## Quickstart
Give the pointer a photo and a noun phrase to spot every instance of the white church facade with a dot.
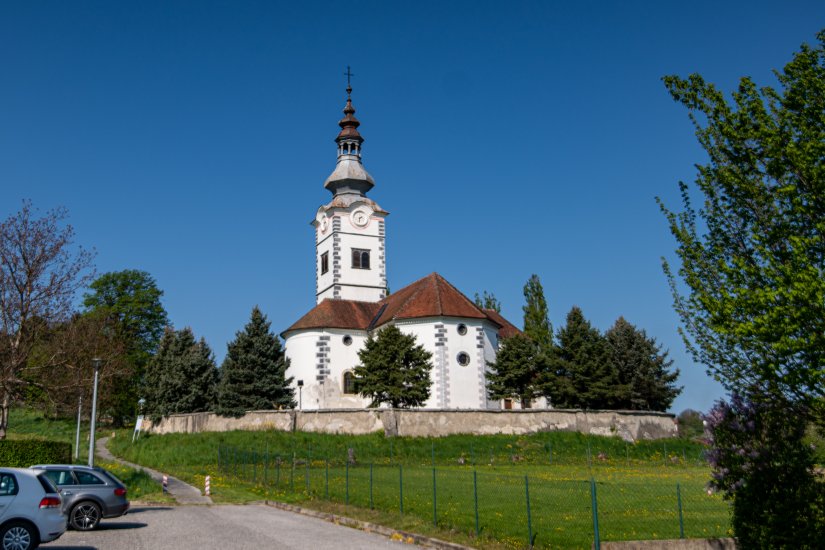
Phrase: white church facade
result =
(352, 302)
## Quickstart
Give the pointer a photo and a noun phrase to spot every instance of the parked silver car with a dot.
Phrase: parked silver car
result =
(30, 509)
(89, 494)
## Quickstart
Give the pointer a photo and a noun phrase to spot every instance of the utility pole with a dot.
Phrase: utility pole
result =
(96, 362)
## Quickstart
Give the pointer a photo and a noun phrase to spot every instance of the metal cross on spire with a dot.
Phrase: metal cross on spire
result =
(349, 75)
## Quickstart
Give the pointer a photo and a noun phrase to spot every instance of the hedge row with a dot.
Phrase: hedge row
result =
(23, 453)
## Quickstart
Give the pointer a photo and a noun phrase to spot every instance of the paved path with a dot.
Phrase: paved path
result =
(239, 527)
(182, 492)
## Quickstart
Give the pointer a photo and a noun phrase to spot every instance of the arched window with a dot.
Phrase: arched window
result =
(360, 258)
(350, 383)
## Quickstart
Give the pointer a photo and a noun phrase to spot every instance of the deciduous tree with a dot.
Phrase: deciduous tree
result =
(487, 301)
(394, 369)
(536, 320)
(40, 272)
(131, 300)
(253, 374)
(752, 258)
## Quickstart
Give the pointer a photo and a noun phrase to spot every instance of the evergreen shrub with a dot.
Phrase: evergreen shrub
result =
(22, 453)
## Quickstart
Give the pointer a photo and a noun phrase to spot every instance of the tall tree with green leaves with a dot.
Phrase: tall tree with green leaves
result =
(536, 320)
(752, 257)
(253, 374)
(130, 299)
(394, 369)
(583, 375)
(517, 371)
(181, 377)
(645, 379)
(487, 300)
(751, 289)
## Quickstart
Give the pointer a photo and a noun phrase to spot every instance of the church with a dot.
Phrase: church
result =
(352, 302)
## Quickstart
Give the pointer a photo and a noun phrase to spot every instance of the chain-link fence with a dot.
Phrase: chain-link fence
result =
(519, 510)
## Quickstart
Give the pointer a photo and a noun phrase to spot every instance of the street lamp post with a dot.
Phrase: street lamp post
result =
(300, 387)
(77, 433)
(96, 362)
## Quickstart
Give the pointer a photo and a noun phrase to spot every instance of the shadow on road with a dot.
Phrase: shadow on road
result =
(142, 509)
(115, 525)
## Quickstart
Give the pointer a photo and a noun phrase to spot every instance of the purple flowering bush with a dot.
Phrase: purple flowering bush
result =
(761, 463)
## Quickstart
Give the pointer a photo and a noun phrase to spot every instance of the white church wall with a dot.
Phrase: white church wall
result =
(307, 350)
(491, 341)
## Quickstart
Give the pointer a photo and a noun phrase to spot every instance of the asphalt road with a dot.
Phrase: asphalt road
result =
(233, 527)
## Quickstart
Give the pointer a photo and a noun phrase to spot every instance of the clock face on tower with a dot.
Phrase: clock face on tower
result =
(360, 217)
(324, 224)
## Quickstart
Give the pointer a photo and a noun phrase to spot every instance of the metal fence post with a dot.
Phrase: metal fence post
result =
(266, 466)
(475, 498)
(401, 488)
(681, 518)
(292, 474)
(347, 478)
(432, 451)
(595, 510)
(306, 477)
(529, 516)
(219, 458)
(235, 462)
(278, 472)
(391, 452)
(326, 482)
(254, 466)
(371, 503)
(435, 516)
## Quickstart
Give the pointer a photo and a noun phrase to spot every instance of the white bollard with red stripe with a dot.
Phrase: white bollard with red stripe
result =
(207, 491)
(165, 483)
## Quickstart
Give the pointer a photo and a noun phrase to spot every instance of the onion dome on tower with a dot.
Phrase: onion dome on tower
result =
(349, 176)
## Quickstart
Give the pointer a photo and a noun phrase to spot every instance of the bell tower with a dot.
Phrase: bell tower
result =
(350, 252)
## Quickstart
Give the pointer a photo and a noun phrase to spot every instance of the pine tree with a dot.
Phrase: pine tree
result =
(516, 372)
(487, 300)
(394, 369)
(181, 377)
(643, 369)
(536, 321)
(253, 374)
(583, 375)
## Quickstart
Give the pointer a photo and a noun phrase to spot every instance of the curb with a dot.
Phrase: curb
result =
(394, 534)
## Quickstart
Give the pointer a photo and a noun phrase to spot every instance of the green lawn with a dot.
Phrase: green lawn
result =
(636, 485)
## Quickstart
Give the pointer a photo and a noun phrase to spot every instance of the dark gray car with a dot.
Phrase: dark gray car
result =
(89, 494)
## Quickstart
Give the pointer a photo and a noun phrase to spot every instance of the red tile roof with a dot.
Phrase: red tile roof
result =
(507, 329)
(338, 314)
(431, 296)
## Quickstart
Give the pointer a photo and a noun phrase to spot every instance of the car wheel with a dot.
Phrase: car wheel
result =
(18, 536)
(84, 516)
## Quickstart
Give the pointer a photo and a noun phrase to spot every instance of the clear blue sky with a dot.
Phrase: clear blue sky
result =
(192, 139)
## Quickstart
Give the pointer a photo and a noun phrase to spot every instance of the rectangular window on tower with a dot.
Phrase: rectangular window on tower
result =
(324, 262)
(360, 258)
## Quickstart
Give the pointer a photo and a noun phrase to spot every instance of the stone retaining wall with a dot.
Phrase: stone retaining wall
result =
(629, 425)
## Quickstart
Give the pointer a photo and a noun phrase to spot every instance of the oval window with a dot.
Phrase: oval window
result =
(462, 329)
(347, 340)
(463, 359)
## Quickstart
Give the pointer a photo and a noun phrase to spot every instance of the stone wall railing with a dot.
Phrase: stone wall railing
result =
(629, 425)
